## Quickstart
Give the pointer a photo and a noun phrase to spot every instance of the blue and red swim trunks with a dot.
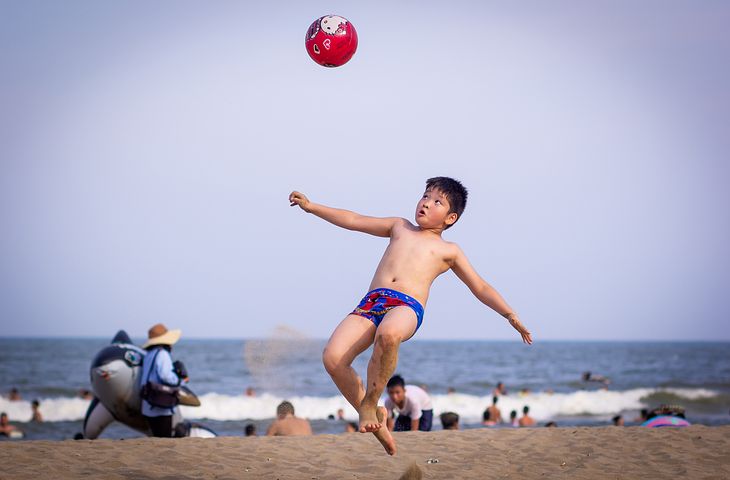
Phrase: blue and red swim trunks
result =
(380, 301)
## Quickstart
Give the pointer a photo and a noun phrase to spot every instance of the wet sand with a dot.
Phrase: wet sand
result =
(592, 453)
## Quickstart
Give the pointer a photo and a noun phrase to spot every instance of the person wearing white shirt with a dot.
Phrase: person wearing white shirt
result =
(409, 407)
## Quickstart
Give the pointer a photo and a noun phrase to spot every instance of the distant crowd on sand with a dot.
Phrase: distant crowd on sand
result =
(409, 407)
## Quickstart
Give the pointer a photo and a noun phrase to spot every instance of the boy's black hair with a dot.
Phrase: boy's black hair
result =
(454, 191)
(449, 420)
(513, 414)
(525, 409)
(494, 400)
(250, 430)
(396, 381)
(284, 408)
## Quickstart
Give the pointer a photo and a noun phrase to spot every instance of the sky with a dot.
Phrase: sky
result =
(147, 150)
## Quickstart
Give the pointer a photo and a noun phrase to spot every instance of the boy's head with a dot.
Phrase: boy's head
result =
(442, 203)
(397, 389)
(450, 421)
(285, 408)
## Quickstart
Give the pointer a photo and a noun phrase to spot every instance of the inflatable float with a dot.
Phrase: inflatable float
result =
(666, 416)
(115, 373)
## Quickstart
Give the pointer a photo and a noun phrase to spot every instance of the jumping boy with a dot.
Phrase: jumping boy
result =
(392, 311)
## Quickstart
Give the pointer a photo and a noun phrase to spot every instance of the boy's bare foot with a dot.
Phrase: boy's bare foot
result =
(383, 434)
(369, 419)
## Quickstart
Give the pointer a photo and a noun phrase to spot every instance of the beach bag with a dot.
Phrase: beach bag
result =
(159, 394)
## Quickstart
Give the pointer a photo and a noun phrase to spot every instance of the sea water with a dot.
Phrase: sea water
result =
(545, 376)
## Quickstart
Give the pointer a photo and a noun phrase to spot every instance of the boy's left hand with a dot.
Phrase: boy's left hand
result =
(517, 325)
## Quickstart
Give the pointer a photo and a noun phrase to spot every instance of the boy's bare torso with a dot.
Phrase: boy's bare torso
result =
(412, 261)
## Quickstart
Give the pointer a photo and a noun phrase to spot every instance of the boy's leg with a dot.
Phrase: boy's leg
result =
(351, 337)
(398, 325)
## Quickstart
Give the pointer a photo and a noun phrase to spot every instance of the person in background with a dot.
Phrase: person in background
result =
(450, 390)
(85, 394)
(524, 392)
(340, 414)
(351, 427)
(513, 418)
(618, 421)
(590, 377)
(250, 392)
(250, 430)
(5, 427)
(158, 367)
(287, 423)
(487, 419)
(643, 416)
(499, 390)
(495, 415)
(14, 395)
(37, 417)
(551, 424)
(412, 405)
(450, 421)
(526, 420)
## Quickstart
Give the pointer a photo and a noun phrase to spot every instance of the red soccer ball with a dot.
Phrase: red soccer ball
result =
(331, 41)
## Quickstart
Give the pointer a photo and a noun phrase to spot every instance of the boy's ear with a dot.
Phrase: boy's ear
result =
(451, 218)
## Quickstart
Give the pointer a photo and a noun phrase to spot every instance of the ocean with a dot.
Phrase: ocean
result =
(545, 376)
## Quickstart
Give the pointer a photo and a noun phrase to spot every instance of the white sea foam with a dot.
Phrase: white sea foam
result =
(543, 406)
(57, 409)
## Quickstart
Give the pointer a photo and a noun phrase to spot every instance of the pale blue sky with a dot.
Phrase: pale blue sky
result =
(147, 151)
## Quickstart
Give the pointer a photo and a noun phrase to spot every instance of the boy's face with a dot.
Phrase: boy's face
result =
(397, 394)
(432, 210)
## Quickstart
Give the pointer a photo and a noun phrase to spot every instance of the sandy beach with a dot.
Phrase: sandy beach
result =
(595, 453)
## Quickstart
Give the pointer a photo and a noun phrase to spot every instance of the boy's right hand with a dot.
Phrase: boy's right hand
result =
(296, 198)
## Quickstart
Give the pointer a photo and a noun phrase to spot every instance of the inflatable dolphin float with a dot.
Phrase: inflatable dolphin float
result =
(115, 373)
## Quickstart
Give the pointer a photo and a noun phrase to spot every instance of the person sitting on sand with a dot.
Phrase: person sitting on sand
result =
(392, 311)
(14, 395)
(287, 423)
(526, 420)
(411, 404)
(513, 418)
(5, 427)
(37, 417)
(618, 421)
(495, 415)
(450, 421)
(592, 377)
(499, 390)
(250, 430)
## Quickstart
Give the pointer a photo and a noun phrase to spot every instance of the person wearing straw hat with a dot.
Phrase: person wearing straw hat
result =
(158, 367)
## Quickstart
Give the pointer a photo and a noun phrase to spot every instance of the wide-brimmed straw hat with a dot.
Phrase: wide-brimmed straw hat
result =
(160, 335)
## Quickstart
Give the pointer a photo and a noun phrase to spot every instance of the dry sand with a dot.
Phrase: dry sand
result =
(593, 453)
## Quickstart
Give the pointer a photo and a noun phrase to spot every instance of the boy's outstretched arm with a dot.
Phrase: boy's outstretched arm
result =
(485, 293)
(379, 227)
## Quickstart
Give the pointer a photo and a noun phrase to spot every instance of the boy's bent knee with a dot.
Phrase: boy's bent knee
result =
(388, 339)
(332, 362)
